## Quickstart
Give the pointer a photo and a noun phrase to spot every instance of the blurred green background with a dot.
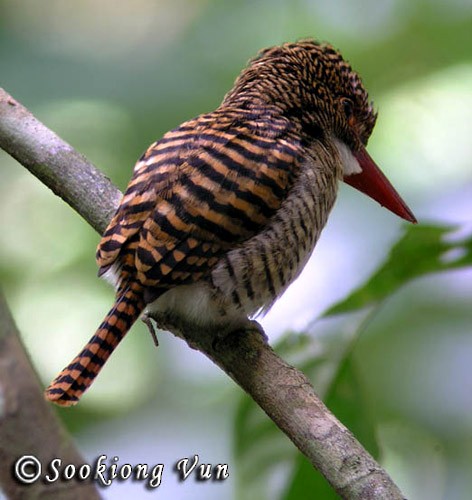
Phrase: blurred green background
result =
(111, 78)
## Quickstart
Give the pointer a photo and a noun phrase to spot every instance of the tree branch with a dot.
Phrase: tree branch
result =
(57, 164)
(283, 392)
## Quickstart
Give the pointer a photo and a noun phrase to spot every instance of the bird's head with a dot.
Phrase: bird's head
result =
(311, 84)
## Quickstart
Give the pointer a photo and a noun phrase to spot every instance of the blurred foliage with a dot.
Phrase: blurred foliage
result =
(112, 79)
(423, 249)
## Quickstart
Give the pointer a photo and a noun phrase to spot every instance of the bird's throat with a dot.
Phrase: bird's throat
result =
(349, 162)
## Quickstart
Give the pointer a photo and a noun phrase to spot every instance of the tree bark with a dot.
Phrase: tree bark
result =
(284, 393)
(29, 428)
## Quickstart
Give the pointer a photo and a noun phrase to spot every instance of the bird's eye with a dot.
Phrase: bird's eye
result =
(348, 108)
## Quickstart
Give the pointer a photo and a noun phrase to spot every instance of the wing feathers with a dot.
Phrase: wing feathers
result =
(198, 192)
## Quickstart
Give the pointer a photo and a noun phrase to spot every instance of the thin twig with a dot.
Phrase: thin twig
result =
(283, 392)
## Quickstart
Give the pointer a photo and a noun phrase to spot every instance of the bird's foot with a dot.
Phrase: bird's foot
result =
(248, 328)
(254, 326)
(146, 319)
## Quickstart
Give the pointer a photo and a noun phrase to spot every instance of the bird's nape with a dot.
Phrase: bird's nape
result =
(372, 182)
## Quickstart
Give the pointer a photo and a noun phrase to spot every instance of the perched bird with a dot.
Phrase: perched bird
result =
(223, 212)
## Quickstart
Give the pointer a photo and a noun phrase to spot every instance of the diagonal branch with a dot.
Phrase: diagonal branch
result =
(56, 164)
(282, 391)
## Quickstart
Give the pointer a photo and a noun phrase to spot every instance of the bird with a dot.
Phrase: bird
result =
(222, 213)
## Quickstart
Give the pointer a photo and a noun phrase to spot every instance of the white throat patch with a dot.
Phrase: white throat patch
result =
(350, 164)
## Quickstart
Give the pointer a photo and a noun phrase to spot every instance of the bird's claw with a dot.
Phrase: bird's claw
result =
(148, 322)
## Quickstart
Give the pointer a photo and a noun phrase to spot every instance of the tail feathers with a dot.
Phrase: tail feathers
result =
(67, 388)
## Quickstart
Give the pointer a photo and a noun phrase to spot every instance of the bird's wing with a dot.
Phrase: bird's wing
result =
(201, 190)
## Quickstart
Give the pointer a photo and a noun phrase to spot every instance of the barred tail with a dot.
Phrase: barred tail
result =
(67, 388)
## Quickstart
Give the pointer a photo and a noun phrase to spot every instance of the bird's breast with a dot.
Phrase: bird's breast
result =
(251, 277)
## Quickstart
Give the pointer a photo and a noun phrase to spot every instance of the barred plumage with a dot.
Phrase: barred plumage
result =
(223, 212)
(69, 385)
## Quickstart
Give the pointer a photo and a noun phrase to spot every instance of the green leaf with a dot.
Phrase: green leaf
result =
(348, 400)
(261, 450)
(307, 482)
(423, 249)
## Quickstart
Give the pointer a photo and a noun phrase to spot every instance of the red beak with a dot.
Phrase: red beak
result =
(372, 182)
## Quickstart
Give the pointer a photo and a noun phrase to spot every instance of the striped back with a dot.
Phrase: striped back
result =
(202, 190)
